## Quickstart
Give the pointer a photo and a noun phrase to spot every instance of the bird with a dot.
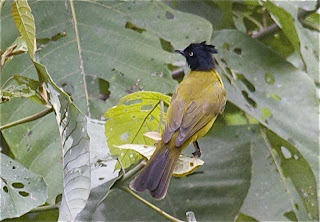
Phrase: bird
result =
(194, 107)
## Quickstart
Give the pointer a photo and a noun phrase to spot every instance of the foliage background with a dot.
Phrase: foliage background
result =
(262, 155)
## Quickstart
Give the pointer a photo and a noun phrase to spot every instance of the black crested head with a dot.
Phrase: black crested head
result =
(199, 56)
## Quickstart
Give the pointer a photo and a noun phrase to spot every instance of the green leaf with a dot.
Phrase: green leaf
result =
(135, 115)
(243, 217)
(120, 58)
(313, 20)
(214, 192)
(286, 22)
(24, 20)
(75, 144)
(15, 91)
(102, 170)
(22, 87)
(117, 58)
(305, 41)
(282, 177)
(21, 190)
(19, 46)
(297, 170)
(260, 82)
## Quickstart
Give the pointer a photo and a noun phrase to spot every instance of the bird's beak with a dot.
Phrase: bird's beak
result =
(179, 51)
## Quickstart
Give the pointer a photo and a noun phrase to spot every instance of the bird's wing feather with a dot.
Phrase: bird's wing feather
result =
(193, 121)
(189, 117)
(175, 112)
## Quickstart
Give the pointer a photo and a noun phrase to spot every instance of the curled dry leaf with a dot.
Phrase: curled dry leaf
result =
(153, 135)
(185, 165)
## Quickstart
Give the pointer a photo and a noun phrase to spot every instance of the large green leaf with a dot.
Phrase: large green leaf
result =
(214, 192)
(277, 94)
(103, 174)
(304, 40)
(75, 149)
(120, 49)
(135, 115)
(21, 190)
(282, 177)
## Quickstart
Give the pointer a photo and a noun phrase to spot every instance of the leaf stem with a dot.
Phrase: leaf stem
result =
(168, 216)
(28, 119)
(128, 175)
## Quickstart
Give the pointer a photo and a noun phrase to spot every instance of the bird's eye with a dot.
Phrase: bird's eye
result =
(190, 53)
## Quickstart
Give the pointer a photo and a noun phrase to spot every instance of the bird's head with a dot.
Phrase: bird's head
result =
(198, 56)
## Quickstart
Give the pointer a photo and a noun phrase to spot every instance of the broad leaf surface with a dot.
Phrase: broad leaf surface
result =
(21, 190)
(135, 115)
(272, 90)
(102, 170)
(280, 183)
(75, 148)
(122, 51)
(304, 40)
(214, 192)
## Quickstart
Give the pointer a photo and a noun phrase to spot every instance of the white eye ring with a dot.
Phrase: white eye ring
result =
(190, 53)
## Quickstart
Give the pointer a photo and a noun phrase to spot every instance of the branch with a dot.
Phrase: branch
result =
(28, 119)
(266, 31)
(168, 216)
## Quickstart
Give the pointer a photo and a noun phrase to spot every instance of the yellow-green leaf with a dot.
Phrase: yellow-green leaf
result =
(134, 115)
(24, 20)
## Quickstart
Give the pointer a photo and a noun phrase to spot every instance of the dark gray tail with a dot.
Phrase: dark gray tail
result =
(156, 175)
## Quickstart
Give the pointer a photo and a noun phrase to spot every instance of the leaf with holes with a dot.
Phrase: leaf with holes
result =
(135, 115)
(127, 52)
(214, 192)
(24, 20)
(102, 170)
(22, 87)
(264, 85)
(304, 40)
(76, 149)
(283, 177)
(15, 91)
(21, 190)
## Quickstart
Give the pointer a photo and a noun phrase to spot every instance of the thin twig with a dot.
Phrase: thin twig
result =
(128, 175)
(27, 119)
(155, 208)
(266, 31)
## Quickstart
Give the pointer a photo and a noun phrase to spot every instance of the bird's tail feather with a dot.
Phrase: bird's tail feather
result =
(156, 175)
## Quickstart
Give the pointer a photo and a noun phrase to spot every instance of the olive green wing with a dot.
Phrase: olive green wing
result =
(174, 117)
(190, 117)
(196, 118)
